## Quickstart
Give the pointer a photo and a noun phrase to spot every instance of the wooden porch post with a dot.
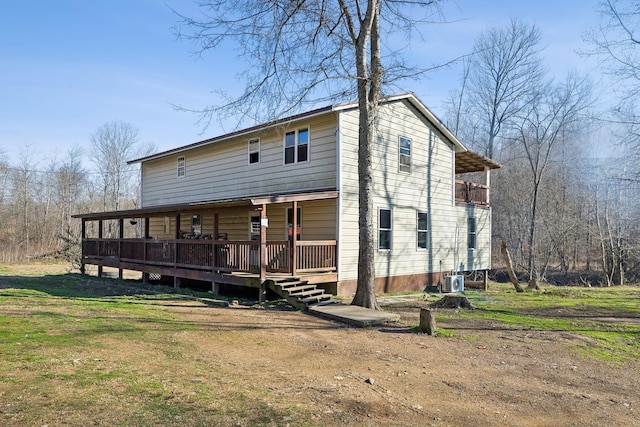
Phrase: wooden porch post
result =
(145, 275)
(263, 253)
(83, 236)
(120, 237)
(215, 287)
(176, 280)
(294, 237)
(487, 181)
(99, 246)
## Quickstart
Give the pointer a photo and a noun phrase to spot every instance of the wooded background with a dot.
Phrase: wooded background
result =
(566, 201)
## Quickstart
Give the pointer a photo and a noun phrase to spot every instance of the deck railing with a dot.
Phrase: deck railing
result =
(218, 255)
(470, 192)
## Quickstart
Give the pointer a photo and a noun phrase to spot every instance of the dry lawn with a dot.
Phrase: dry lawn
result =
(169, 361)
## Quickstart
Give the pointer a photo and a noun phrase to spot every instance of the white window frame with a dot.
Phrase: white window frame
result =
(297, 145)
(181, 167)
(472, 233)
(402, 167)
(253, 140)
(419, 230)
(388, 230)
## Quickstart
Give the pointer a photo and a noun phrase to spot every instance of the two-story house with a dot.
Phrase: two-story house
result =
(279, 201)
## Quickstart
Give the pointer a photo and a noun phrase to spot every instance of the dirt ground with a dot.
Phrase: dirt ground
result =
(486, 375)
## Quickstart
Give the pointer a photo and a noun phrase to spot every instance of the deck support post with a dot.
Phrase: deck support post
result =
(145, 277)
(176, 282)
(215, 288)
(100, 224)
(485, 280)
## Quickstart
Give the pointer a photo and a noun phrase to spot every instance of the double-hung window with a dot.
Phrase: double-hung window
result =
(296, 146)
(181, 167)
(423, 230)
(254, 150)
(384, 230)
(471, 233)
(404, 149)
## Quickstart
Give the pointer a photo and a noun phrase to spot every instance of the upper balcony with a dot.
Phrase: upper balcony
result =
(472, 193)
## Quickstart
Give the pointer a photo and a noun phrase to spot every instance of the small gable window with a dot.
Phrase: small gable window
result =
(254, 150)
(404, 148)
(181, 168)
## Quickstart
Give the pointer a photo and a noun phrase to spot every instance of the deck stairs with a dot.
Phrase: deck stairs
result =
(300, 294)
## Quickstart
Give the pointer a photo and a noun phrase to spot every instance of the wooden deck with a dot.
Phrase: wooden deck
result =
(217, 261)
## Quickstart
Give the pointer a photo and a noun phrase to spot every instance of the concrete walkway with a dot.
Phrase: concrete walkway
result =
(353, 314)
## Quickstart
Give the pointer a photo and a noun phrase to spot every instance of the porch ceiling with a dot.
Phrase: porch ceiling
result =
(208, 205)
(469, 161)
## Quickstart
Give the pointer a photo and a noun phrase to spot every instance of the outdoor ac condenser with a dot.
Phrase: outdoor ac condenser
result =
(454, 283)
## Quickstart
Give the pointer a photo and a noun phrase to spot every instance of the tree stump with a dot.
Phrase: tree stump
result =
(428, 321)
(454, 301)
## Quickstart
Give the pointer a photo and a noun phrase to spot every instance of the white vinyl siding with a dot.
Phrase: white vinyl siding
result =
(429, 188)
(221, 170)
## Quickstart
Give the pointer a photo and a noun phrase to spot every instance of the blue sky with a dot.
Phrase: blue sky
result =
(69, 66)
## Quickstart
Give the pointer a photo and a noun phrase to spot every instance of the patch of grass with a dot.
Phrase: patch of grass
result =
(600, 314)
(76, 348)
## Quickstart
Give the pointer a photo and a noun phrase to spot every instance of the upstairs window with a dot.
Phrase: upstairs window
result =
(404, 149)
(471, 233)
(181, 169)
(296, 146)
(423, 230)
(254, 150)
(384, 230)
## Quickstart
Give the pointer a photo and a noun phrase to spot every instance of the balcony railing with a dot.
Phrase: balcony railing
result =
(216, 255)
(472, 193)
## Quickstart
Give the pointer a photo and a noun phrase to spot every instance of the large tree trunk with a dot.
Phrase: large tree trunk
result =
(509, 263)
(369, 84)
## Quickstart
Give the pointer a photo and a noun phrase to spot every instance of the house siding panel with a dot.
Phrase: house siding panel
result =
(428, 188)
(221, 170)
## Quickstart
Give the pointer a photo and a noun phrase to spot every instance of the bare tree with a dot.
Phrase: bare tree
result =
(303, 52)
(502, 75)
(540, 130)
(111, 146)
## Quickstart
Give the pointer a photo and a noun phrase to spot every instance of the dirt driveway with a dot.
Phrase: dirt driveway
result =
(486, 375)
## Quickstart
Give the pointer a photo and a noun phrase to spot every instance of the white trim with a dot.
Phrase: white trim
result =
(339, 202)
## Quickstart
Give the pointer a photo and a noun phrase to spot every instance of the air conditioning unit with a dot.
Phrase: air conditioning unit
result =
(454, 283)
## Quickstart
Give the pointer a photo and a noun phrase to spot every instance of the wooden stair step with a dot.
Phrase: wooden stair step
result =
(301, 288)
(316, 299)
(291, 284)
(309, 293)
